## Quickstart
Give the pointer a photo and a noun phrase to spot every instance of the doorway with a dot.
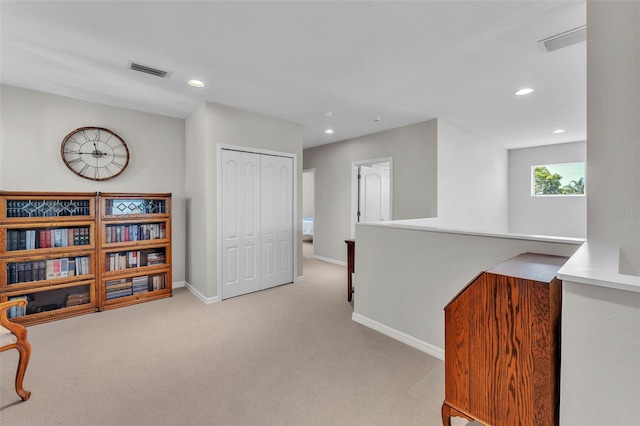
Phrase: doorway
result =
(372, 191)
(308, 208)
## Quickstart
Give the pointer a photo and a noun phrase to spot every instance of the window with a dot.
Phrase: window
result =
(557, 179)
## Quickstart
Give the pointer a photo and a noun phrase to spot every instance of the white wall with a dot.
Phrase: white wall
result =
(308, 185)
(613, 126)
(600, 334)
(414, 152)
(561, 216)
(196, 198)
(33, 124)
(472, 181)
(214, 124)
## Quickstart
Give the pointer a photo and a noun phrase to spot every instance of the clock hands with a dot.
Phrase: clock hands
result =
(96, 139)
(96, 153)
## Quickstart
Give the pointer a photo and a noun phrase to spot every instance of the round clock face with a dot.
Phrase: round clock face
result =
(95, 153)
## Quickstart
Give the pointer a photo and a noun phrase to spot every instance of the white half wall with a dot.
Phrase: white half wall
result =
(472, 181)
(564, 216)
(405, 274)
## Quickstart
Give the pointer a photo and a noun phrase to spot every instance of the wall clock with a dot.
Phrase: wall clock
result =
(95, 153)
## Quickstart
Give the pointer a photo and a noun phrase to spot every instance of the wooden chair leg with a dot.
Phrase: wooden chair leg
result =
(25, 353)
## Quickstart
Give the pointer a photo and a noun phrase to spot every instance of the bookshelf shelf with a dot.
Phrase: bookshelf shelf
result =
(134, 248)
(47, 254)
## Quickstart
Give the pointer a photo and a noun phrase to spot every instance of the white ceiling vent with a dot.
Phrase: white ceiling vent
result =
(564, 39)
(148, 70)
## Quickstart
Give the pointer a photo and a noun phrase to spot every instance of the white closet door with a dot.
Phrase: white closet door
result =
(277, 221)
(241, 223)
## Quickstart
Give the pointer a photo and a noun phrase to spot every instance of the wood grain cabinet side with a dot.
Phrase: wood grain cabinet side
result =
(502, 345)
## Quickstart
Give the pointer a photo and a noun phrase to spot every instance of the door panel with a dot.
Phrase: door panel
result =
(374, 193)
(277, 220)
(372, 196)
(251, 223)
(241, 222)
(230, 208)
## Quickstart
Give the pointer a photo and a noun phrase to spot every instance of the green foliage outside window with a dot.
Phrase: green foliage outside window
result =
(548, 183)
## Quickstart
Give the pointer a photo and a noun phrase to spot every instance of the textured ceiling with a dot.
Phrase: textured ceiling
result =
(403, 61)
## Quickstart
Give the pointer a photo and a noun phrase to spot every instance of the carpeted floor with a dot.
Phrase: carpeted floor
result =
(285, 356)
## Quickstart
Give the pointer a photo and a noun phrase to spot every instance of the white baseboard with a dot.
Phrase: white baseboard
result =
(177, 284)
(326, 259)
(400, 336)
(299, 279)
(202, 297)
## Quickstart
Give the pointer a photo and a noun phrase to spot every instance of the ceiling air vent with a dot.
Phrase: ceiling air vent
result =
(564, 39)
(148, 70)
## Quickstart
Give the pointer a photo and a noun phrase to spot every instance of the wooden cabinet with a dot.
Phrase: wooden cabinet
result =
(351, 261)
(134, 248)
(47, 254)
(502, 345)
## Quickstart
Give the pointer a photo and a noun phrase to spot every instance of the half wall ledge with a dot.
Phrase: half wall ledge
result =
(598, 264)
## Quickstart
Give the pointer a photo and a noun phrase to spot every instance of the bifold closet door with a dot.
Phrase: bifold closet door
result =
(241, 223)
(276, 220)
(257, 222)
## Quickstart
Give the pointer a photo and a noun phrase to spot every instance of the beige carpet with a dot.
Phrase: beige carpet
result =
(286, 356)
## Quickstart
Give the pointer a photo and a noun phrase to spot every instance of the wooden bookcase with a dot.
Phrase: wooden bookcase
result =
(47, 254)
(502, 345)
(134, 248)
(72, 253)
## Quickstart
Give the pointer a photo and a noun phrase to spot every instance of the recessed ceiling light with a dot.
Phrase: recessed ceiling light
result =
(558, 131)
(329, 131)
(327, 114)
(377, 119)
(196, 83)
(524, 91)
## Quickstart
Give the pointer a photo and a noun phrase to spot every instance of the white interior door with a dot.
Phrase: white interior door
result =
(374, 193)
(241, 222)
(276, 220)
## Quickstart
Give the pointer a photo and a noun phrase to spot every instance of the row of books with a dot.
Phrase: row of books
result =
(17, 311)
(136, 232)
(157, 282)
(37, 270)
(75, 299)
(133, 259)
(137, 285)
(140, 285)
(47, 208)
(155, 258)
(31, 239)
(34, 307)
